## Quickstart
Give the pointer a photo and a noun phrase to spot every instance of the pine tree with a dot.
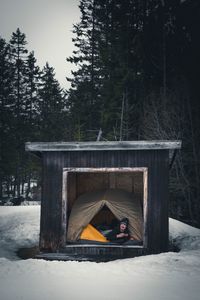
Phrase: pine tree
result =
(6, 116)
(83, 97)
(51, 107)
(30, 130)
(107, 66)
(19, 58)
(32, 80)
(121, 63)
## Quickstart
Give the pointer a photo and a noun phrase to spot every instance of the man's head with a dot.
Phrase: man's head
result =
(123, 224)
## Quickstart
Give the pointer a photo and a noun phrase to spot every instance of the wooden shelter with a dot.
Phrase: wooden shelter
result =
(71, 169)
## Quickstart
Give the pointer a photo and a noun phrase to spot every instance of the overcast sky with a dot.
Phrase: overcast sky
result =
(48, 28)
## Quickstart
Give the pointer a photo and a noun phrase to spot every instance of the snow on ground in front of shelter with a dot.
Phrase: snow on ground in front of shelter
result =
(166, 276)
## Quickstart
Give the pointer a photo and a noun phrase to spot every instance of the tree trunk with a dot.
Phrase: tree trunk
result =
(28, 186)
(17, 183)
(122, 119)
(1, 188)
(22, 187)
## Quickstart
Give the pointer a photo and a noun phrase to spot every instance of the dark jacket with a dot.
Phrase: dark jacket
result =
(112, 236)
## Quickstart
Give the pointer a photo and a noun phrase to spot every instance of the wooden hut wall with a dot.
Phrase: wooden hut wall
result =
(53, 210)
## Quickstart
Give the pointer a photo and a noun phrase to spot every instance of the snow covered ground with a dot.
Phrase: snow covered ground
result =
(167, 276)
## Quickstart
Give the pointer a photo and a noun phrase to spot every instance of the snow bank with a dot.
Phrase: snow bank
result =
(173, 276)
(19, 227)
(184, 236)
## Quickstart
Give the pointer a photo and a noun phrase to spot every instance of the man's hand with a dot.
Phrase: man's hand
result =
(122, 234)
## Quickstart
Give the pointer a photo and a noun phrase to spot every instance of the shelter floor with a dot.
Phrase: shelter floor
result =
(82, 242)
(94, 252)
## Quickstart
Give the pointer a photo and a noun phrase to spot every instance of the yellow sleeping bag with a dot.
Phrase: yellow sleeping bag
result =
(92, 234)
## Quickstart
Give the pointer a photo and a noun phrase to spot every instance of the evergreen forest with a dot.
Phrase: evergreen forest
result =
(136, 76)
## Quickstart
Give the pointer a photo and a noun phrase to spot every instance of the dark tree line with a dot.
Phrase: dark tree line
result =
(137, 77)
(32, 108)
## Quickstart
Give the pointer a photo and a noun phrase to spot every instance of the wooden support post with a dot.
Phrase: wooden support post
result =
(53, 206)
(157, 207)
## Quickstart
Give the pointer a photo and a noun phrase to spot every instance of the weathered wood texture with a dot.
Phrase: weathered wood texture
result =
(53, 206)
(53, 210)
(97, 254)
(105, 146)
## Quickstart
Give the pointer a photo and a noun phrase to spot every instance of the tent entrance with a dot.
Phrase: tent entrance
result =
(104, 219)
(92, 182)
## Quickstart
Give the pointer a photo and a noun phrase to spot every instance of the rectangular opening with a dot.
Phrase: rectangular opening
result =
(79, 181)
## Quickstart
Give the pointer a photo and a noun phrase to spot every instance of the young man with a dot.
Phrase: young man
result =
(119, 234)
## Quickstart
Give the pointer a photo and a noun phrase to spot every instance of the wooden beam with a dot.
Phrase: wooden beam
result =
(107, 146)
(105, 170)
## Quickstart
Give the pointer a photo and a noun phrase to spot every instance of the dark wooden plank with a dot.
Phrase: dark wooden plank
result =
(157, 219)
(97, 254)
(53, 206)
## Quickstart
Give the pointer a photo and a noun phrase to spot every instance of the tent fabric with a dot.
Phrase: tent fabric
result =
(121, 203)
(92, 234)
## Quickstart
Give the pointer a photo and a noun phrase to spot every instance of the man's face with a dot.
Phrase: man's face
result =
(122, 227)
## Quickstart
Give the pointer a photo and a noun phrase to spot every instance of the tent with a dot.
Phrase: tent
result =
(120, 202)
